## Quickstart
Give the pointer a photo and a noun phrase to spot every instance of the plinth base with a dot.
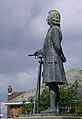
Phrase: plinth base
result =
(49, 116)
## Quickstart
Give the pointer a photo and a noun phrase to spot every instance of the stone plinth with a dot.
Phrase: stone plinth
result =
(51, 117)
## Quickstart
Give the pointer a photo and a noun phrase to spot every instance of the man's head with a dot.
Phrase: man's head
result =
(53, 17)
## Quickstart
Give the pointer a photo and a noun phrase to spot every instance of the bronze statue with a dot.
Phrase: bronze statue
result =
(53, 59)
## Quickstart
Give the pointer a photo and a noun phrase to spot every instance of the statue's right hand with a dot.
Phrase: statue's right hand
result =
(36, 53)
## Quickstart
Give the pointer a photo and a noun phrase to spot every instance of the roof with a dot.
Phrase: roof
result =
(19, 97)
(14, 95)
(23, 97)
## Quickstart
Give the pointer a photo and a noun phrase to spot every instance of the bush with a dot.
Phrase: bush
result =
(44, 99)
(27, 108)
(69, 99)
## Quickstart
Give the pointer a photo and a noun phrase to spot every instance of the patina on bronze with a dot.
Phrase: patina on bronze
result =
(53, 59)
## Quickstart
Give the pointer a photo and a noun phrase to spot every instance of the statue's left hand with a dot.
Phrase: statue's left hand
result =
(63, 58)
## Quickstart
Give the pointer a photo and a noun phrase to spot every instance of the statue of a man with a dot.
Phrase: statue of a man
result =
(53, 59)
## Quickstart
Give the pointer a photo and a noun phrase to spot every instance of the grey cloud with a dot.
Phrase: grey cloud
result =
(23, 27)
(16, 60)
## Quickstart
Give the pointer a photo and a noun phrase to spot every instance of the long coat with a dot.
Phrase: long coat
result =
(53, 70)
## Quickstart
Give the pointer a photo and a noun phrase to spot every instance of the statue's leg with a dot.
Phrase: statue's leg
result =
(56, 90)
(54, 98)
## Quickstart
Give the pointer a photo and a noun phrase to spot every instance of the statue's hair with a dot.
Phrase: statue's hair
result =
(55, 16)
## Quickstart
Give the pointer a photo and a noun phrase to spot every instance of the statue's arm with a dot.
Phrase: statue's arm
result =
(55, 37)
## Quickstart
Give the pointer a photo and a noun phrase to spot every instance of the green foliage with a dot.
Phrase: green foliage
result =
(44, 100)
(69, 99)
(68, 104)
(44, 103)
(78, 108)
(27, 108)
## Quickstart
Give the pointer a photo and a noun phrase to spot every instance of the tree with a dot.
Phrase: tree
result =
(69, 99)
(44, 99)
(27, 108)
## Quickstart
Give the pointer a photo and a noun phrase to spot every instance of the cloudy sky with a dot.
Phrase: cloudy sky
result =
(22, 31)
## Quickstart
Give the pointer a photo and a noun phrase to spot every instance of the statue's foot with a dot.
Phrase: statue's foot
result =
(50, 110)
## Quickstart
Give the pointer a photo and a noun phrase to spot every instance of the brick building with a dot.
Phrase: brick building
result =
(15, 101)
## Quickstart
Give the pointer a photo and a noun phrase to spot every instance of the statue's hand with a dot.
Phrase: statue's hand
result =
(36, 53)
(63, 58)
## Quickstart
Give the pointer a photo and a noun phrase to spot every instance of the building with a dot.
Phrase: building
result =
(15, 101)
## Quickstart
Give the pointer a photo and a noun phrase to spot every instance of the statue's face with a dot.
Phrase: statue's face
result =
(48, 19)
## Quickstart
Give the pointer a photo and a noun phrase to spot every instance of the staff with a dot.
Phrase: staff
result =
(37, 95)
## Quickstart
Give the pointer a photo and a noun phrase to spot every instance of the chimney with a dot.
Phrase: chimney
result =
(9, 90)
